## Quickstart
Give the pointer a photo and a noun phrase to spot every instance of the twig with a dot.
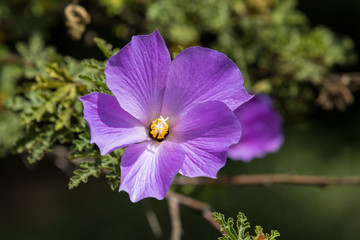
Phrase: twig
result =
(259, 179)
(175, 216)
(12, 59)
(204, 208)
(61, 154)
(152, 219)
(268, 179)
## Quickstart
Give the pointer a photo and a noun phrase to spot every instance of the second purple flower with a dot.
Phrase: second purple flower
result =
(262, 129)
(175, 117)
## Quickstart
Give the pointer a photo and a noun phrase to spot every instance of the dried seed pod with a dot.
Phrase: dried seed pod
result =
(336, 92)
(76, 20)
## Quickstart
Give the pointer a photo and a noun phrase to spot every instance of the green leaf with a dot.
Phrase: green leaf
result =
(105, 48)
(64, 118)
(109, 163)
(101, 90)
(36, 143)
(82, 175)
(273, 235)
(98, 80)
(93, 63)
(82, 142)
(114, 179)
(10, 130)
(112, 163)
(242, 225)
(58, 72)
(36, 56)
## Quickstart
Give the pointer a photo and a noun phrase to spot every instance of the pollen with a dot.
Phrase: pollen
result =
(159, 128)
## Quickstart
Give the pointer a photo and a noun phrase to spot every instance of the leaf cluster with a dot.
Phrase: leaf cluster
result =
(92, 164)
(47, 99)
(50, 112)
(10, 73)
(272, 42)
(240, 232)
(109, 165)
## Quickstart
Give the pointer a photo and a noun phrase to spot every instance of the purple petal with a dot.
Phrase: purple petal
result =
(262, 129)
(206, 132)
(148, 168)
(110, 126)
(137, 76)
(198, 75)
(201, 163)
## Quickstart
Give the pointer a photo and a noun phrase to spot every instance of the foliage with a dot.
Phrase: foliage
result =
(50, 111)
(271, 42)
(106, 48)
(10, 129)
(110, 164)
(48, 101)
(240, 233)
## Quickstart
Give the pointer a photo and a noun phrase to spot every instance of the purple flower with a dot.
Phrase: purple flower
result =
(262, 129)
(175, 117)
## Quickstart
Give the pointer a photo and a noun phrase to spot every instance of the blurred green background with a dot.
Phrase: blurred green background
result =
(35, 202)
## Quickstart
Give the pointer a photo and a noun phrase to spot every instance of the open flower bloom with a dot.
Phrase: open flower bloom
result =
(261, 129)
(173, 116)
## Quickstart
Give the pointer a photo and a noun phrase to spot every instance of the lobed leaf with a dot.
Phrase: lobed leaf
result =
(93, 63)
(242, 224)
(82, 175)
(106, 48)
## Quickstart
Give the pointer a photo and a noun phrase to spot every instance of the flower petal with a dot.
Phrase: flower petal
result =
(262, 129)
(200, 74)
(148, 168)
(110, 126)
(137, 76)
(201, 163)
(206, 132)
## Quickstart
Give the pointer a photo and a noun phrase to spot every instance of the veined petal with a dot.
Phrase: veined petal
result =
(206, 131)
(200, 74)
(148, 168)
(201, 163)
(137, 74)
(110, 126)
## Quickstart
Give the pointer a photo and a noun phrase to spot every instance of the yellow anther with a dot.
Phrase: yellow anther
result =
(159, 128)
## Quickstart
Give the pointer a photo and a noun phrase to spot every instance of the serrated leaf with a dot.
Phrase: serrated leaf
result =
(36, 143)
(36, 56)
(58, 72)
(98, 80)
(111, 162)
(241, 224)
(36, 114)
(81, 142)
(46, 85)
(64, 118)
(105, 48)
(9, 75)
(90, 169)
(17, 103)
(113, 180)
(93, 63)
(273, 235)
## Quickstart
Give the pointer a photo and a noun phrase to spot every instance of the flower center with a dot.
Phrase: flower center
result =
(159, 129)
